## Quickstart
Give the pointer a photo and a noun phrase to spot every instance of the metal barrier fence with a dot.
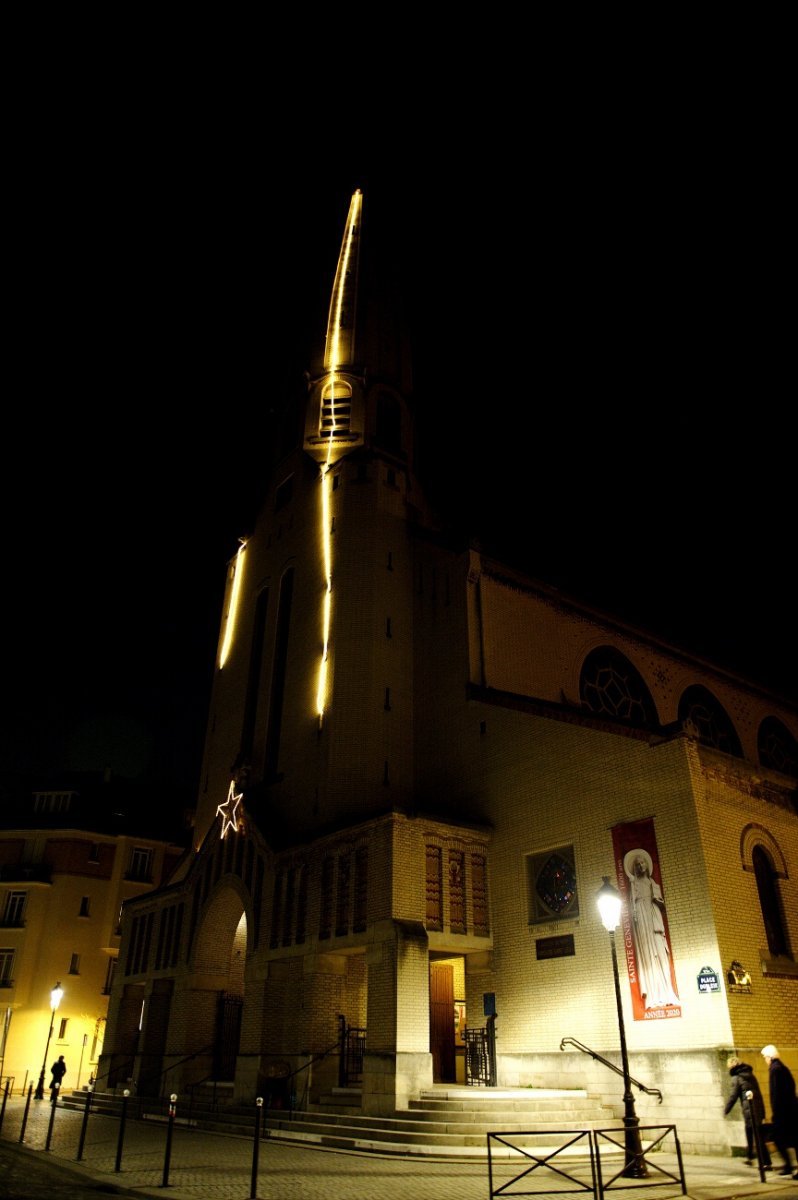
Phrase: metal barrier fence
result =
(579, 1158)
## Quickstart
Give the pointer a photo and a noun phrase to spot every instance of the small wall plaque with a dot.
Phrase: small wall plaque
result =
(555, 947)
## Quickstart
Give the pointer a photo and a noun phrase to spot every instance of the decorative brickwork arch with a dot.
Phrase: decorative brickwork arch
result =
(762, 856)
(754, 835)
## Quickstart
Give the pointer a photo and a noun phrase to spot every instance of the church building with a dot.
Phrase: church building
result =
(420, 765)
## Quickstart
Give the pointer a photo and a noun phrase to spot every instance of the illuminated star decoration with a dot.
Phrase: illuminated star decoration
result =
(228, 814)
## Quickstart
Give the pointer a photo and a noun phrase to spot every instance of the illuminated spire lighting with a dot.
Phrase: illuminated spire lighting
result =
(232, 610)
(339, 350)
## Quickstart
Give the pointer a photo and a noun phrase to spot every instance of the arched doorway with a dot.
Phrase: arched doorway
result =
(220, 958)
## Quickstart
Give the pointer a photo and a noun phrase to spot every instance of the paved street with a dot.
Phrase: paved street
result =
(204, 1166)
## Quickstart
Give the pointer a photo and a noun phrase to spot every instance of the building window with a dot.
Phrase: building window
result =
(279, 668)
(336, 408)
(361, 888)
(342, 906)
(62, 1028)
(54, 802)
(84, 906)
(283, 494)
(326, 906)
(7, 968)
(290, 900)
(140, 865)
(277, 909)
(301, 906)
(705, 718)
(74, 966)
(770, 902)
(109, 977)
(14, 911)
(778, 749)
(551, 885)
(610, 684)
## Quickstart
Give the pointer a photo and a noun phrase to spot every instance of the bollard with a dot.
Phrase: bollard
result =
(169, 1128)
(81, 1143)
(122, 1120)
(5, 1101)
(25, 1114)
(52, 1115)
(253, 1189)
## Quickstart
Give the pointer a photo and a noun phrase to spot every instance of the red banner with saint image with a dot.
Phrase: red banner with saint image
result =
(644, 922)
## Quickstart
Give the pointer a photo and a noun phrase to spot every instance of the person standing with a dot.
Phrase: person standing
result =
(783, 1107)
(57, 1071)
(745, 1088)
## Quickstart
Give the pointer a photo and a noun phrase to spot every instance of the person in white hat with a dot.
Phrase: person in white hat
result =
(783, 1107)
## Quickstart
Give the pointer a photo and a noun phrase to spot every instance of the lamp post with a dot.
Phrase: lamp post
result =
(609, 906)
(55, 999)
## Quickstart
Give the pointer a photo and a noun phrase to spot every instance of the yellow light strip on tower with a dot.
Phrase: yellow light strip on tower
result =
(321, 690)
(232, 611)
(333, 358)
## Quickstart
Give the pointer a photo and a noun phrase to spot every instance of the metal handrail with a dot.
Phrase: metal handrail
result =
(641, 1087)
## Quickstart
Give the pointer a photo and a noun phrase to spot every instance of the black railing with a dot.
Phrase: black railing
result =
(352, 1048)
(641, 1087)
(480, 1055)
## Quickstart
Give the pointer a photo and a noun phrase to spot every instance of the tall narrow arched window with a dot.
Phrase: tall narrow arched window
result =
(389, 422)
(770, 902)
(253, 681)
(276, 694)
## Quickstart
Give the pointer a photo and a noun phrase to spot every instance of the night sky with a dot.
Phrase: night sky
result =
(601, 357)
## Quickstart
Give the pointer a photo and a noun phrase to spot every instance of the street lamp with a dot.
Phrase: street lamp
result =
(55, 999)
(609, 906)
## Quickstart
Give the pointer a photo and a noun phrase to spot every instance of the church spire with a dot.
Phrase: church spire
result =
(336, 396)
(340, 343)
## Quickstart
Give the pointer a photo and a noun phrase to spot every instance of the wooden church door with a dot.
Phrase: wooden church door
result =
(441, 1022)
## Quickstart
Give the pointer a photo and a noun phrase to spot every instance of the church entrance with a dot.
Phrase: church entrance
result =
(447, 1019)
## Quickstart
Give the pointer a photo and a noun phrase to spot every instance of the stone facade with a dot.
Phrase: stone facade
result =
(401, 731)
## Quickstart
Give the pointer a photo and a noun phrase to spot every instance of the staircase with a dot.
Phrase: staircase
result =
(446, 1121)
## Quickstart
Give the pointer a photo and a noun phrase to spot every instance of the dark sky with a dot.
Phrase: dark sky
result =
(603, 358)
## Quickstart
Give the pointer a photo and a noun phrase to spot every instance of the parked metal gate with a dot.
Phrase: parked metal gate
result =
(480, 1055)
(352, 1047)
(228, 1032)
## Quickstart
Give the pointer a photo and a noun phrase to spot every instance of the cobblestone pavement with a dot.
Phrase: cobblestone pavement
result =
(206, 1166)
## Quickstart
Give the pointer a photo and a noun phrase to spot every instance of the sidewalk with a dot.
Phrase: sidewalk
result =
(208, 1166)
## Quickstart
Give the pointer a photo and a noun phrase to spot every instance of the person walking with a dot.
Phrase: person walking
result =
(57, 1071)
(783, 1107)
(745, 1088)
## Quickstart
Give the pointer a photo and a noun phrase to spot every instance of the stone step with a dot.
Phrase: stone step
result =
(450, 1124)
